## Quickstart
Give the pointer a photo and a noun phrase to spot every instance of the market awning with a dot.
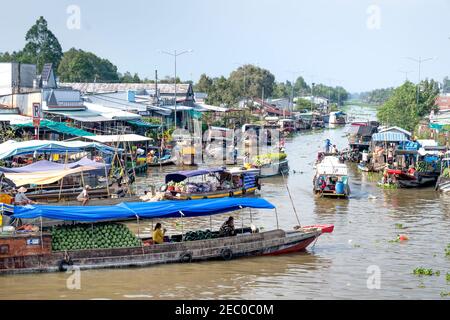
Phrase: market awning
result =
(145, 210)
(44, 177)
(389, 137)
(14, 118)
(182, 175)
(57, 127)
(13, 148)
(118, 138)
(144, 124)
(82, 116)
(45, 165)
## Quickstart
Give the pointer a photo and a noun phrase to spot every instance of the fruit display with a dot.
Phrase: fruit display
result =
(199, 235)
(97, 236)
(268, 158)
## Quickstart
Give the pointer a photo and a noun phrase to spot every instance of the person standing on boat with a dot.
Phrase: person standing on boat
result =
(327, 145)
(21, 199)
(83, 197)
(158, 234)
(227, 229)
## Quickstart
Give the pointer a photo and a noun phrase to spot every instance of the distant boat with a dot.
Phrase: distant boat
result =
(337, 117)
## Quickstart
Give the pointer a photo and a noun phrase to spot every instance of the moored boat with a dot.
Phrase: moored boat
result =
(232, 182)
(53, 250)
(443, 182)
(331, 178)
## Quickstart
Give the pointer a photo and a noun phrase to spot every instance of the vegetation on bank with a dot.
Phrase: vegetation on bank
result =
(409, 104)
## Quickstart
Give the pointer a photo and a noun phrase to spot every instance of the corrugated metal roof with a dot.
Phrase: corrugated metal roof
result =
(389, 136)
(164, 88)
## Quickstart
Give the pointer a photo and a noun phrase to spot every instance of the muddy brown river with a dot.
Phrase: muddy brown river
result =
(357, 261)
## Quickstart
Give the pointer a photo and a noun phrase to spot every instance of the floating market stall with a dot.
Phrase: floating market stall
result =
(97, 244)
(211, 183)
(331, 178)
(271, 164)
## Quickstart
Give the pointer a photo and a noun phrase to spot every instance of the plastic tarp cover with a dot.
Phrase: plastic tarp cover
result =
(57, 127)
(143, 210)
(182, 175)
(44, 177)
(389, 137)
(45, 165)
(12, 148)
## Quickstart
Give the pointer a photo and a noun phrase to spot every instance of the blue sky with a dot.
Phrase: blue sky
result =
(360, 44)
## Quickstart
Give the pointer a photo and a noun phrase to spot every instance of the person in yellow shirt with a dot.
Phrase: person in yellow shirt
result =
(158, 234)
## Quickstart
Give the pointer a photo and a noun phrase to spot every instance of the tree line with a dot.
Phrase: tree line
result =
(409, 104)
(77, 65)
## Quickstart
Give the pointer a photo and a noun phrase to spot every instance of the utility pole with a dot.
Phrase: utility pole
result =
(175, 55)
(405, 73)
(419, 62)
(312, 97)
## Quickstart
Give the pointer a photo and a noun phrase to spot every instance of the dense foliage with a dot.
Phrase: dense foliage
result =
(402, 109)
(377, 96)
(41, 47)
(82, 66)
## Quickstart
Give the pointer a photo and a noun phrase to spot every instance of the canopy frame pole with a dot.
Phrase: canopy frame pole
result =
(106, 176)
(251, 216)
(133, 164)
(182, 225)
(139, 234)
(210, 222)
(62, 179)
(276, 215)
(241, 212)
(42, 237)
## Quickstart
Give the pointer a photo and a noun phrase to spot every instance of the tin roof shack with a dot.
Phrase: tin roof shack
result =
(17, 78)
(384, 146)
(360, 135)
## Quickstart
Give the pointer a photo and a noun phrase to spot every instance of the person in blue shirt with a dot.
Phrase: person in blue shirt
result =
(327, 145)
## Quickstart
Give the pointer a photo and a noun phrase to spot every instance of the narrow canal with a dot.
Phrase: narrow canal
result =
(337, 267)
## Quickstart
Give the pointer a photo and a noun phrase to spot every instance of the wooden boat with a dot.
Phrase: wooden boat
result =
(443, 182)
(337, 118)
(416, 180)
(33, 252)
(275, 168)
(232, 182)
(331, 178)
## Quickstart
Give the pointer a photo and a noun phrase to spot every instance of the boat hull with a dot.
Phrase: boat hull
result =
(214, 195)
(274, 169)
(243, 245)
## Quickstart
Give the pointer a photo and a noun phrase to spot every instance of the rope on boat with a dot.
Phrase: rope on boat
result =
(290, 197)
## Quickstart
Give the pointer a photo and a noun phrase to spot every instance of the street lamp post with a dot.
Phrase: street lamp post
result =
(419, 62)
(174, 54)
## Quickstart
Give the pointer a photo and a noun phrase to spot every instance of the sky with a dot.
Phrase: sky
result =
(358, 44)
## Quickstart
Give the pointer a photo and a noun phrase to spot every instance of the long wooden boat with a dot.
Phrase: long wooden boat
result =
(34, 252)
(249, 183)
(443, 182)
(416, 180)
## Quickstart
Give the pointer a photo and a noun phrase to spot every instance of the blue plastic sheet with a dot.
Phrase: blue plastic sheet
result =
(143, 210)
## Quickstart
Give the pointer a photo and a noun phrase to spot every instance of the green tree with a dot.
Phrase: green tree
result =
(81, 66)
(204, 84)
(41, 46)
(253, 79)
(402, 109)
(223, 92)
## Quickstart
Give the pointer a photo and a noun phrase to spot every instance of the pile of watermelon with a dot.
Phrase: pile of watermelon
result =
(199, 235)
(96, 236)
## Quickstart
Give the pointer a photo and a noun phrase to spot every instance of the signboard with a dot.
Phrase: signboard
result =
(33, 242)
(36, 122)
(37, 111)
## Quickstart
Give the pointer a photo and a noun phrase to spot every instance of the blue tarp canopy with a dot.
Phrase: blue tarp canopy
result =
(144, 210)
(389, 137)
(14, 148)
(183, 175)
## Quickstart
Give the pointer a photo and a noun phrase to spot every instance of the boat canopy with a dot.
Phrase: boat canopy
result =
(389, 137)
(183, 175)
(45, 165)
(44, 177)
(331, 166)
(118, 138)
(143, 210)
(14, 148)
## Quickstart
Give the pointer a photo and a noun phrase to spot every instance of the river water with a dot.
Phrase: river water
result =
(337, 267)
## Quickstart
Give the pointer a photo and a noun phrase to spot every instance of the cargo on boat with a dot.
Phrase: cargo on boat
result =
(331, 178)
(211, 183)
(93, 244)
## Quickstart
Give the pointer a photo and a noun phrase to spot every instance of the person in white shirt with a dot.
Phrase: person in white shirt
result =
(83, 197)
